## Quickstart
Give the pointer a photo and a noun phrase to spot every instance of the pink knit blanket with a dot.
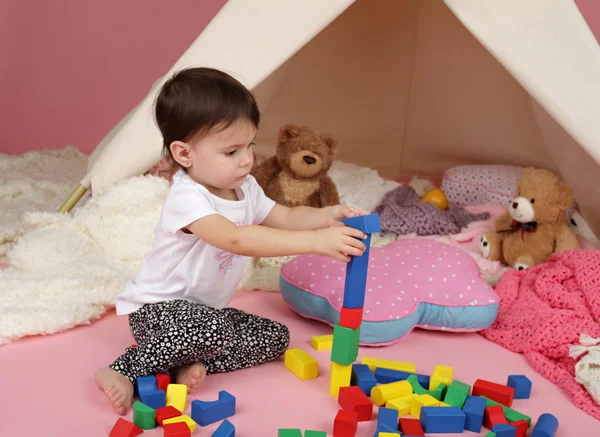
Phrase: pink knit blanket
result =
(544, 309)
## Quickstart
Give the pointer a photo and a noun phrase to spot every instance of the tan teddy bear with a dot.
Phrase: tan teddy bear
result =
(535, 226)
(297, 174)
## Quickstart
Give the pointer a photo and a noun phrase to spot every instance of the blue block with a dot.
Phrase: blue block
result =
(385, 376)
(369, 224)
(225, 429)
(387, 417)
(442, 419)
(356, 280)
(385, 428)
(504, 430)
(154, 399)
(207, 412)
(145, 384)
(474, 409)
(546, 426)
(521, 384)
(363, 378)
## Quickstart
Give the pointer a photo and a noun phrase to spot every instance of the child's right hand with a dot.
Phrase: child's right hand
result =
(340, 242)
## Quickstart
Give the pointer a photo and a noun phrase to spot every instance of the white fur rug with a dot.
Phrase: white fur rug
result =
(66, 270)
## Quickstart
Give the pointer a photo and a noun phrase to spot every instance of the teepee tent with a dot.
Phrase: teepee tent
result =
(408, 86)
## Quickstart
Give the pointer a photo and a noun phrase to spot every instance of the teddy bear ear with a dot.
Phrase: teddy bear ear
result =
(331, 142)
(565, 196)
(288, 131)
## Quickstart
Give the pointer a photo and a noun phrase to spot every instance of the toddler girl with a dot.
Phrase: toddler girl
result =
(215, 216)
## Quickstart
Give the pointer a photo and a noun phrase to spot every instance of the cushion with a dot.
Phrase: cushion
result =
(411, 283)
(477, 184)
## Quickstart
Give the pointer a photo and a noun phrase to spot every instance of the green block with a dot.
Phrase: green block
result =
(438, 393)
(511, 415)
(457, 394)
(490, 434)
(345, 345)
(288, 432)
(144, 416)
(310, 433)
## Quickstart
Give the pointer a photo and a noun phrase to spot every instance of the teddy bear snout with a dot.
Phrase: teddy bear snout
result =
(309, 160)
(522, 210)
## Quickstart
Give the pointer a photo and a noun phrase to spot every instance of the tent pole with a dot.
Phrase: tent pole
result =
(72, 200)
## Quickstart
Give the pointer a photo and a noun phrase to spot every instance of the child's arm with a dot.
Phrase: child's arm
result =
(304, 217)
(261, 241)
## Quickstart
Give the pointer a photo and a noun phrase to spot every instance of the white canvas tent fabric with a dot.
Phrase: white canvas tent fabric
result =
(407, 86)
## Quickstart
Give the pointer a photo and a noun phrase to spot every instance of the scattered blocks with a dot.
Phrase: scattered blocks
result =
(339, 376)
(288, 432)
(154, 399)
(474, 409)
(225, 429)
(546, 426)
(374, 363)
(207, 412)
(162, 381)
(401, 404)
(383, 393)
(301, 364)
(167, 412)
(441, 375)
(351, 317)
(124, 428)
(384, 376)
(352, 398)
(363, 378)
(345, 345)
(494, 415)
(511, 415)
(442, 420)
(144, 416)
(497, 392)
(420, 401)
(521, 384)
(177, 396)
(322, 342)
(185, 419)
(438, 393)
(345, 424)
(411, 427)
(179, 429)
(457, 394)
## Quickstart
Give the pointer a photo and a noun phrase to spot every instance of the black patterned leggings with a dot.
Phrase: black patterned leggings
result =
(174, 333)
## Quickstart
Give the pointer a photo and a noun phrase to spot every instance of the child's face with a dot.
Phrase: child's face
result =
(223, 159)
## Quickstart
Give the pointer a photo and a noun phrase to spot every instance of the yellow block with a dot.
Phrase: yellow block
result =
(177, 396)
(339, 377)
(384, 392)
(387, 434)
(301, 364)
(373, 363)
(322, 342)
(185, 418)
(444, 404)
(441, 374)
(401, 404)
(422, 401)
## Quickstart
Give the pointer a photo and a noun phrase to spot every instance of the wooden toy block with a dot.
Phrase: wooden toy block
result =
(490, 434)
(301, 364)
(521, 384)
(124, 428)
(179, 429)
(351, 317)
(441, 375)
(509, 413)
(356, 279)
(145, 384)
(497, 392)
(339, 376)
(363, 378)
(411, 427)
(546, 426)
(388, 434)
(184, 418)
(369, 224)
(162, 381)
(375, 363)
(225, 429)
(166, 412)
(387, 417)
(144, 416)
(443, 420)
(474, 409)
(494, 416)
(384, 376)
(322, 342)
(420, 401)
(438, 393)
(457, 393)
(503, 430)
(289, 432)
(154, 399)
(352, 398)
(345, 424)
(177, 396)
(521, 427)
(401, 404)
(383, 393)
(311, 433)
(386, 430)
(207, 412)
(345, 345)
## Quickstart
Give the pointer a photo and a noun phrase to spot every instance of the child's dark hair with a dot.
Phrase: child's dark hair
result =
(196, 100)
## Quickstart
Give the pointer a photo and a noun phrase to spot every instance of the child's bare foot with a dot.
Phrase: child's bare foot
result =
(191, 375)
(117, 388)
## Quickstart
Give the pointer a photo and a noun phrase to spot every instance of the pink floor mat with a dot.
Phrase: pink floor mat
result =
(48, 387)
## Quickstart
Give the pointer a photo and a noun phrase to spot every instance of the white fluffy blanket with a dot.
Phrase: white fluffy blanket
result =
(66, 270)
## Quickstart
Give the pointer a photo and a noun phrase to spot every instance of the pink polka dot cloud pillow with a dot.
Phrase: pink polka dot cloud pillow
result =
(410, 283)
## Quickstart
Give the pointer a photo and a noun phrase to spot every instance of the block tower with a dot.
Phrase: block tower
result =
(346, 332)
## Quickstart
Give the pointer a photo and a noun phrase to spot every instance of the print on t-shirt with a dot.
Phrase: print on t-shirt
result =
(227, 257)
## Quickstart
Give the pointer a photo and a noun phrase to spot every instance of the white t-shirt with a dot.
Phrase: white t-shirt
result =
(182, 266)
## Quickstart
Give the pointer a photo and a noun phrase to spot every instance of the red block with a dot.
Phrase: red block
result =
(177, 429)
(162, 381)
(345, 424)
(411, 427)
(351, 317)
(164, 413)
(494, 416)
(521, 426)
(352, 398)
(124, 428)
(496, 392)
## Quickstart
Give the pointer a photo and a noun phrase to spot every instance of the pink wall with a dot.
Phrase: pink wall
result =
(71, 69)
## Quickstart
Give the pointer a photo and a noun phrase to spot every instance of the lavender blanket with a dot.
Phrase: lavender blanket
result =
(401, 211)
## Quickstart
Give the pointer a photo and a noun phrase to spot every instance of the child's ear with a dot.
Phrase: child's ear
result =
(181, 153)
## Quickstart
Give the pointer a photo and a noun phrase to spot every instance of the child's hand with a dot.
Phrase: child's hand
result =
(339, 242)
(341, 212)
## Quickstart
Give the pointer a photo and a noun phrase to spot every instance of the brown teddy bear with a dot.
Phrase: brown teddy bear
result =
(297, 174)
(535, 226)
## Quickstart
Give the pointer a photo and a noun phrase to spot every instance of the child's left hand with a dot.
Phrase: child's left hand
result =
(341, 212)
